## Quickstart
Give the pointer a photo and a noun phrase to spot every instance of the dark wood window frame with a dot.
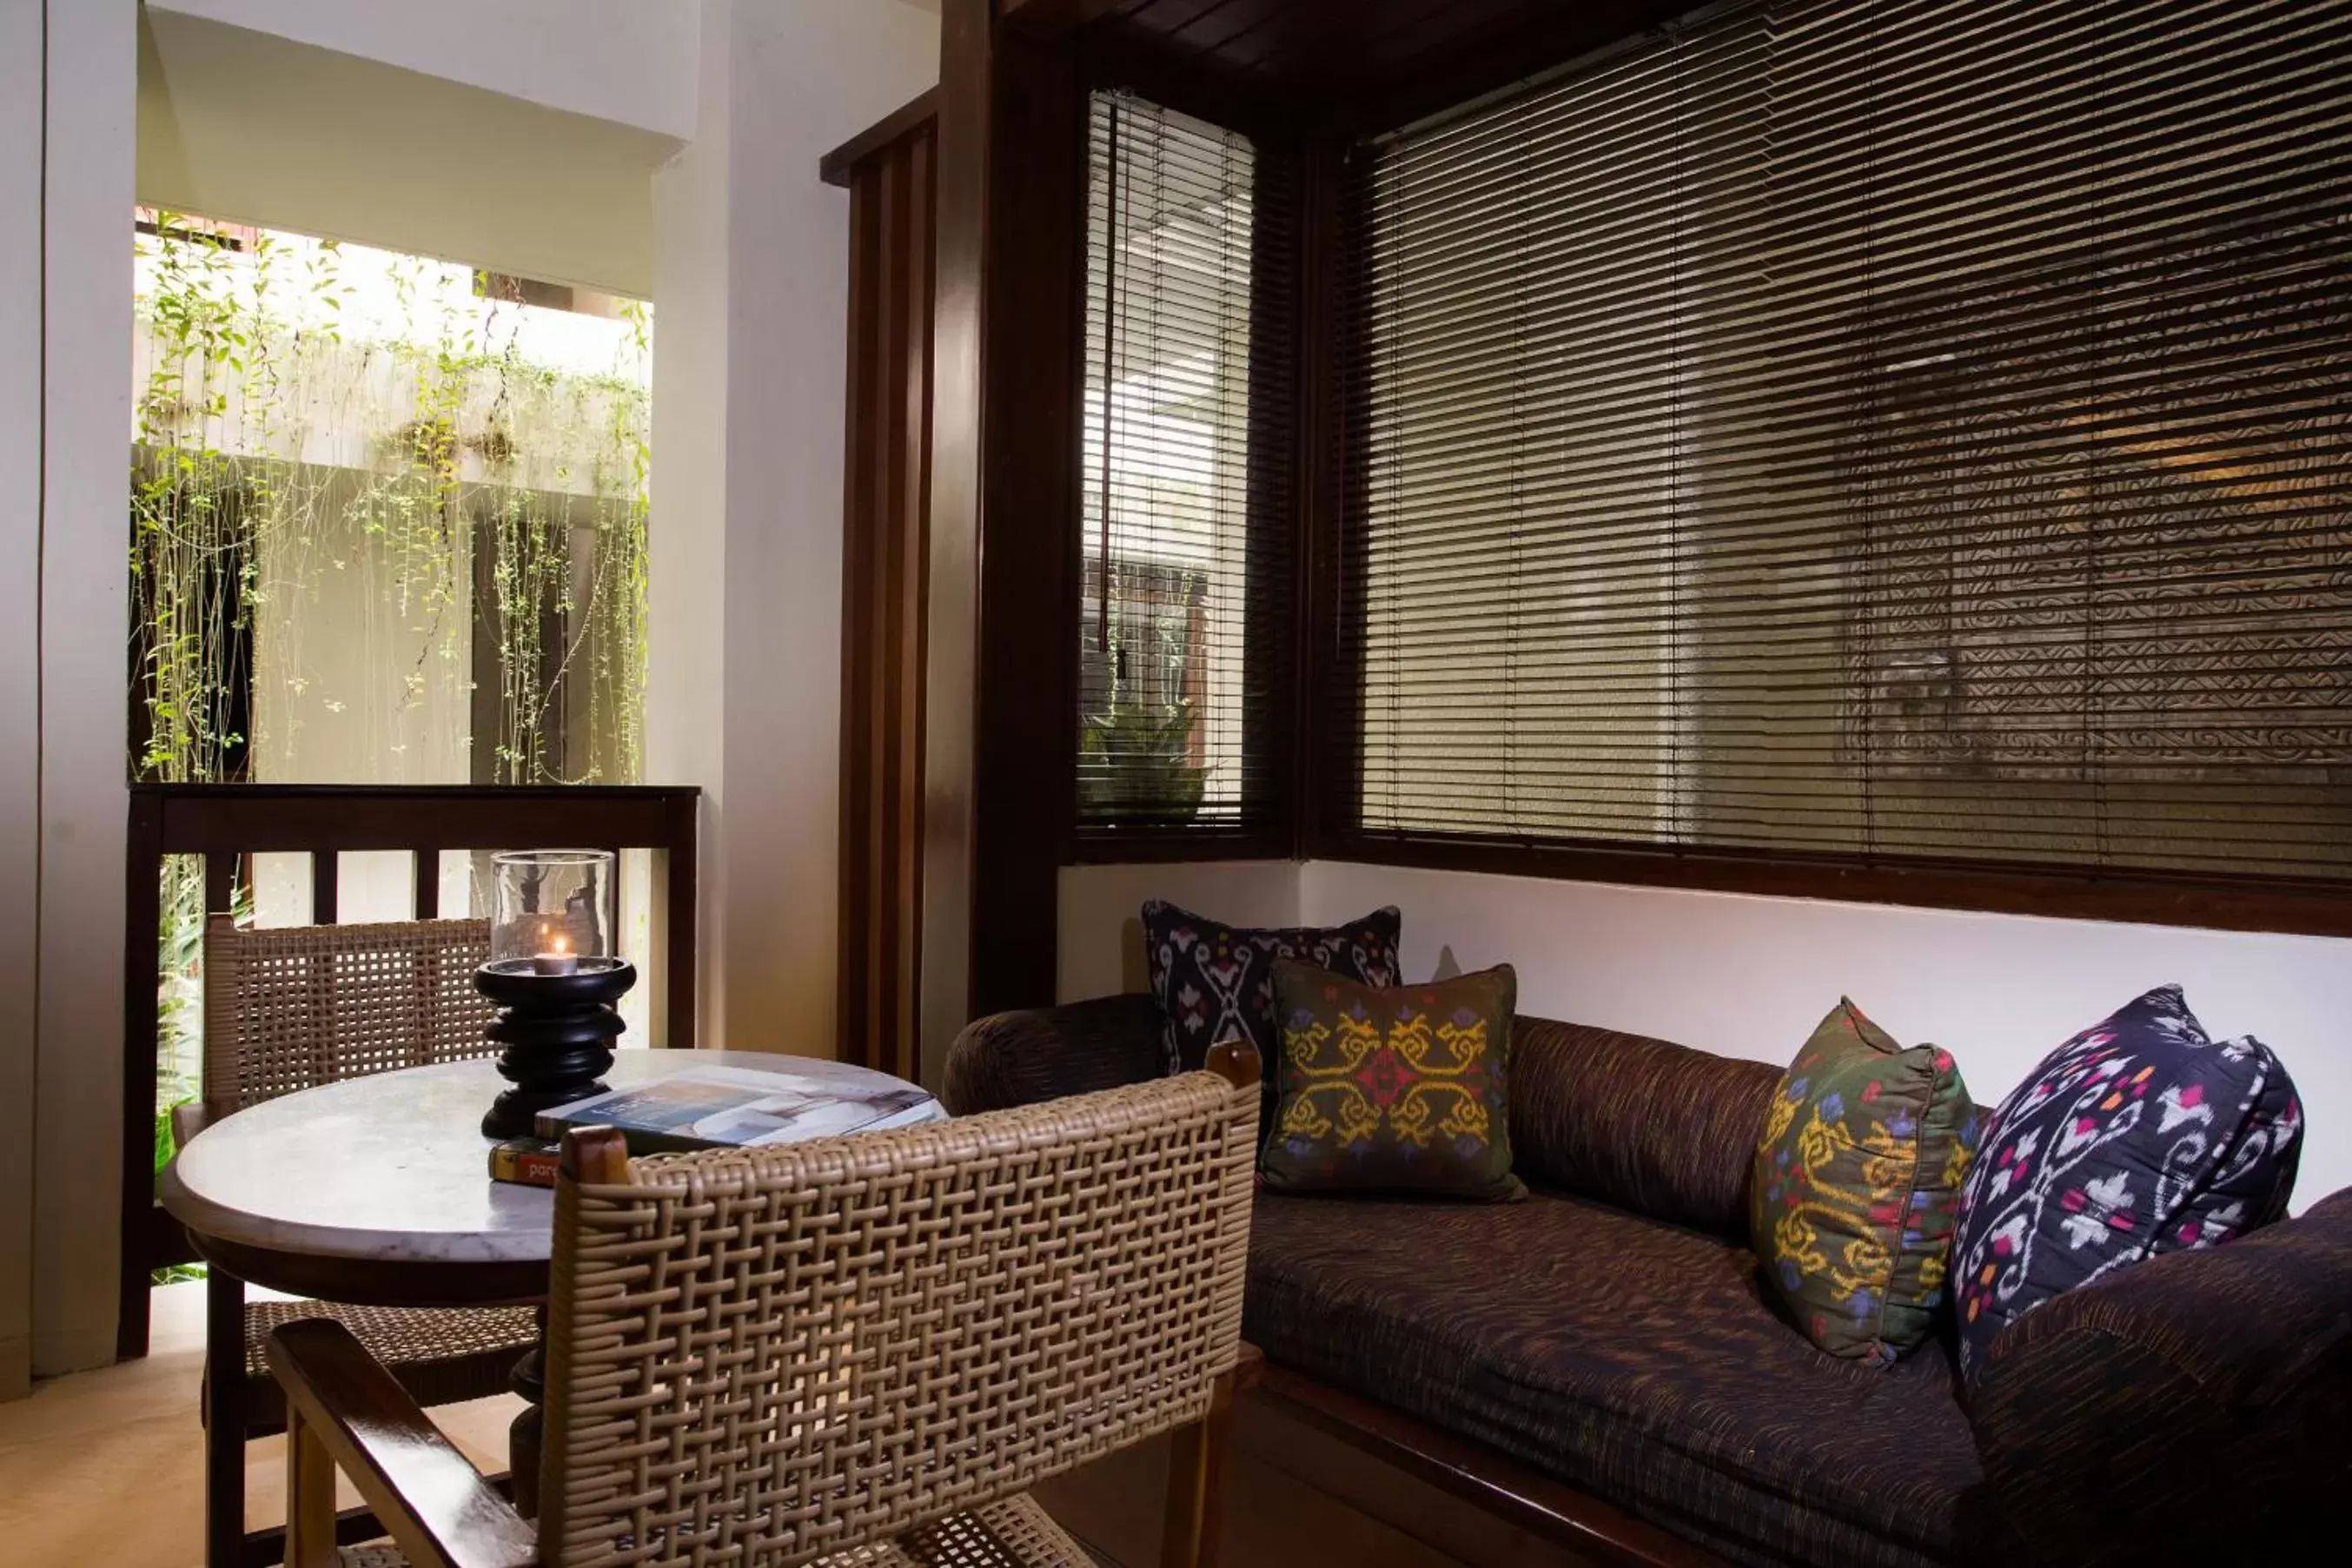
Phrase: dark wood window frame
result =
(1330, 826)
(1321, 705)
(1277, 598)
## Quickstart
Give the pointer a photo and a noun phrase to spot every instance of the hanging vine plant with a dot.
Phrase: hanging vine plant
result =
(382, 530)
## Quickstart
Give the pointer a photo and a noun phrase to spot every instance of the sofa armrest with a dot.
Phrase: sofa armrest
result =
(2160, 1413)
(1042, 1053)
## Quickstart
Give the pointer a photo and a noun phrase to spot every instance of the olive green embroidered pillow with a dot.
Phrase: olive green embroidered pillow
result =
(1398, 1090)
(1858, 1183)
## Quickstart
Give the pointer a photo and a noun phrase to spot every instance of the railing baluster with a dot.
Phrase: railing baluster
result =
(326, 871)
(220, 880)
(428, 884)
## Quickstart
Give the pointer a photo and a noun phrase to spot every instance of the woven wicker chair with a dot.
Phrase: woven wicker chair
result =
(857, 1351)
(294, 1007)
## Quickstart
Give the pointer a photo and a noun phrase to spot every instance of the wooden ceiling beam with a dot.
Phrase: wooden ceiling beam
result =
(1053, 18)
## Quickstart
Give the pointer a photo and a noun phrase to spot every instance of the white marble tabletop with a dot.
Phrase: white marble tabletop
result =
(394, 1167)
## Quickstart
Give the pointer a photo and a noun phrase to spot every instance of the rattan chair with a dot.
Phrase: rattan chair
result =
(291, 1009)
(860, 1351)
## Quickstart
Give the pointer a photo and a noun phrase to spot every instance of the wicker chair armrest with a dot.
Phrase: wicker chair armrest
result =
(1044, 1054)
(188, 1120)
(436, 1505)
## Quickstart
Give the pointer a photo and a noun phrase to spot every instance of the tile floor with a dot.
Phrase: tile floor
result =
(106, 1468)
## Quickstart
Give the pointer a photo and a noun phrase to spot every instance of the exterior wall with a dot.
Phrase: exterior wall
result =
(629, 61)
(259, 128)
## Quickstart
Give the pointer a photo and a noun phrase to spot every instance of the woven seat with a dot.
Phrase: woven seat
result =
(1014, 1533)
(858, 1351)
(441, 1356)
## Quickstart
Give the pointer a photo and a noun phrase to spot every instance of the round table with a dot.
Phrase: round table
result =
(376, 1191)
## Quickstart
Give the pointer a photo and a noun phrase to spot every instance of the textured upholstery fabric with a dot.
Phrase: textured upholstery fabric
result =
(2207, 1395)
(1641, 1362)
(1042, 1053)
(1650, 1126)
(1857, 1180)
(1632, 1359)
(2139, 1136)
(1392, 1089)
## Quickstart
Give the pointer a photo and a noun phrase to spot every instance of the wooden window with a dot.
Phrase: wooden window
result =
(1185, 502)
(1896, 435)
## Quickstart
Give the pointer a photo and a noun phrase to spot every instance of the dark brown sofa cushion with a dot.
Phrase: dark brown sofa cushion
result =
(1654, 1127)
(1632, 1359)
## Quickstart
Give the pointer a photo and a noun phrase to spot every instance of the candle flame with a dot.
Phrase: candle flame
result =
(560, 946)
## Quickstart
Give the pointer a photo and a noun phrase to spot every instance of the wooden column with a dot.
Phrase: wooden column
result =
(1004, 565)
(885, 550)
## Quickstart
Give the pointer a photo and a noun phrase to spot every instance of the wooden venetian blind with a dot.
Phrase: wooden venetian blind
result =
(1185, 473)
(1902, 428)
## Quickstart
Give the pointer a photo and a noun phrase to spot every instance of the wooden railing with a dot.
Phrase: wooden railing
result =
(225, 824)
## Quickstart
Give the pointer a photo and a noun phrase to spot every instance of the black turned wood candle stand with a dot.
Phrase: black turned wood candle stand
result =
(558, 1031)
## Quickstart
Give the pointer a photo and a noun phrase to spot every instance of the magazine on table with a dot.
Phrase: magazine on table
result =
(734, 1107)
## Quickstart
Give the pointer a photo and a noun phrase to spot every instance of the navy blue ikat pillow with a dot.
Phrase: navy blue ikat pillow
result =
(2138, 1137)
(1215, 982)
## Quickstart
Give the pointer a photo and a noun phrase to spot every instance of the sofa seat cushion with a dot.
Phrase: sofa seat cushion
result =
(1629, 1358)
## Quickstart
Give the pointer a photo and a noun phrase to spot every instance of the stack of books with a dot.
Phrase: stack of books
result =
(711, 1108)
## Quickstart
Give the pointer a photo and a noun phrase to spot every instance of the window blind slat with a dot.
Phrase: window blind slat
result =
(1905, 429)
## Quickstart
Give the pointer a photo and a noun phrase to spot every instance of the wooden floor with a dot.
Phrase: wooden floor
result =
(105, 1468)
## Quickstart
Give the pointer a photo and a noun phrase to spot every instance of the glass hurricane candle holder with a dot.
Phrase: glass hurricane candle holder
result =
(555, 979)
(551, 911)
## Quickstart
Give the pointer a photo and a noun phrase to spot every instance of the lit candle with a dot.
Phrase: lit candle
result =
(559, 958)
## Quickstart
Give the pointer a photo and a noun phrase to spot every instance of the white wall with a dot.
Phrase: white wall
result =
(745, 623)
(1101, 926)
(1750, 976)
(255, 128)
(85, 532)
(20, 663)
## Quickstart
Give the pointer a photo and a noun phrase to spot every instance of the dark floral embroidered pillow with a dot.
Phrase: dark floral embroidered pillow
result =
(2138, 1137)
(1392, 1089)
(1857, 1185)
(1215, 982)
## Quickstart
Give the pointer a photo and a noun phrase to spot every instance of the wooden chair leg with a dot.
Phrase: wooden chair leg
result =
(1196, 1468)
(309, 1497)
(225, 1420)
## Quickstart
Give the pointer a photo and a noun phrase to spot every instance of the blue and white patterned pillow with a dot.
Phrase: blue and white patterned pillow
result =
(1215, 981)
(2138, 1137)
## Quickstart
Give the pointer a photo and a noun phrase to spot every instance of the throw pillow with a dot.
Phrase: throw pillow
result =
(1857, 1182)
(1387, 1090)
(2138, 1137)
(1215, 982)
